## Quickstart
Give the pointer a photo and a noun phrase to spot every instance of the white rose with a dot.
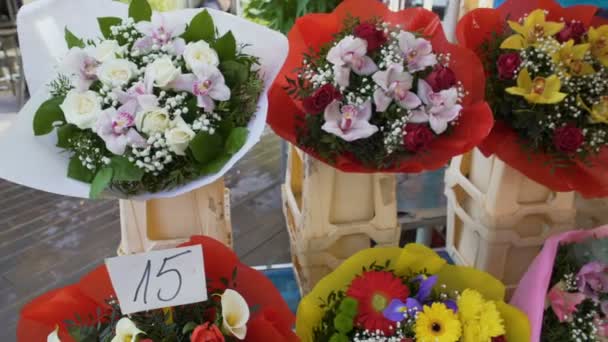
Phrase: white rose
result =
(200, 53)
(178, 137)
(163, 71)
(106, 50)
(152, 120)
(81, 109)
(116, 72)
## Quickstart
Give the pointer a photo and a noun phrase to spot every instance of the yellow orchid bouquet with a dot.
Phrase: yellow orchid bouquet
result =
(408, 294)
(547, 84)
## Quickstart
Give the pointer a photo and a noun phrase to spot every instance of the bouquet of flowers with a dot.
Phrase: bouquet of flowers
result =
(366, 89)
(243, 305)
(547, 83)
(409, 294)
(162, 104)
(571, 274)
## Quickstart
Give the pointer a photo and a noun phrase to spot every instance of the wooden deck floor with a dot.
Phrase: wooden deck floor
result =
(47, 241)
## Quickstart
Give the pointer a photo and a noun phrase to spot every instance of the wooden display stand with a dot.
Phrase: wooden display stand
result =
(331, 215)
(165, 223)
(498, 219)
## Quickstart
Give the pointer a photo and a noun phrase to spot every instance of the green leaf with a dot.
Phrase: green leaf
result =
(226, 47)
(215, 165)
(102, 180)
(188, 328)
(47, 114)
(125, 171)
(236, 140)
(200, 28)
(64, 133)
(72, 40)
(140, 10)
(234, 72)
(105, 23)
(206, 147)
(78, 171)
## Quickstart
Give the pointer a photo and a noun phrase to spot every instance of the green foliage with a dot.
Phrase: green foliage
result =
(47, 115)
(236, 140)
(226, 47)
(125, 171)
(105, 23)
(234, 72)
(140, 10)
(200, 28)
(60, 86)
(281, 14)
(102, 181)
(72, 40)
(77, 171)
(65, 134)
(205, 147)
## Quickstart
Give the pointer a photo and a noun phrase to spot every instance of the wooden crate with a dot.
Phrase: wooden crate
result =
(497, 218)
(165, 223)
(331, 215)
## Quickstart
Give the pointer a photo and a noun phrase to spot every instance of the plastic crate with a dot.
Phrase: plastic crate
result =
(166, 223)
(331, 215)
(498, 219)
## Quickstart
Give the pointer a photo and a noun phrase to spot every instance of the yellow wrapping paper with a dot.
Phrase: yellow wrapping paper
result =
(412, 258)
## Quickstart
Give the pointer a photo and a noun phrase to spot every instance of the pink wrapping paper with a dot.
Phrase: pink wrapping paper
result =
(534, 285)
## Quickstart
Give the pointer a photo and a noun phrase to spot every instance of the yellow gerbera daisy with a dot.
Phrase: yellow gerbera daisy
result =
(534, 28)
(480, 319)
(540, 90)
(437, 323)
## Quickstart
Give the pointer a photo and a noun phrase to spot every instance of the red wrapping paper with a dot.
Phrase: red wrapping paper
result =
(272, 322)
(590, 179)
(314, 30)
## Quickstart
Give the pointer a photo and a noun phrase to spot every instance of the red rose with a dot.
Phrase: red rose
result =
(417, 137)
(322, 97)
(207, 333)
(375, 38)
(568, 139)
(441, 78)
(507, 65)
(573, 30)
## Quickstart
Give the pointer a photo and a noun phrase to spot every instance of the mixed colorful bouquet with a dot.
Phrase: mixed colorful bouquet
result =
(571, 275)
(409, 294)
(547, 83)
(152, 105)
(367, 89)
(243, 305)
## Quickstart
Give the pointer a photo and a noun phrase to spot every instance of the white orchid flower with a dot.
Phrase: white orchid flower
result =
(161, 33)
(417, 52)
(126, 331)
(81, 67)
(441, 108)
(395, 84)
(206, 83)
(349, 122)
(235, 314)
(350, 54)
(54, 336)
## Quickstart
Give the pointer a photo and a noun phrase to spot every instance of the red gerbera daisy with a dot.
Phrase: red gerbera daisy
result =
(374, 290)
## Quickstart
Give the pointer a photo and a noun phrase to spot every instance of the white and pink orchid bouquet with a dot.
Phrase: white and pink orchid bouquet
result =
(159, 102)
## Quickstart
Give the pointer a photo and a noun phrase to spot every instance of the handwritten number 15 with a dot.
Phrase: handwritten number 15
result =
(145, 279)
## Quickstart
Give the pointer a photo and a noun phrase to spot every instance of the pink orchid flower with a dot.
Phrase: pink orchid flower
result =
(116, 128)
(160, 32)
(564, 303)
(140, 92)
(417, 52)
(350, 54)
(349, 122)
(441, 108)
(592, 279)
(395, 84)
(206, 83)
(81, 67)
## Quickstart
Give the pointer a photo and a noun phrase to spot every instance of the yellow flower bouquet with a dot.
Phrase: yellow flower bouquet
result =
(408, 294)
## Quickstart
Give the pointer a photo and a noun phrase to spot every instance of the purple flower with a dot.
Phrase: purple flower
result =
(349, 122)
(395, 84)
(441, 107)
(350, 54)
(206, 83)
(116, 128)
(417, 52)
(160, 33)
(592, 279)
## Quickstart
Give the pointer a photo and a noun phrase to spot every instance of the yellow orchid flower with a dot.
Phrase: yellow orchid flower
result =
(571, 56)
(534, 28)
(540, 90)
(599, 111)
(598, 38)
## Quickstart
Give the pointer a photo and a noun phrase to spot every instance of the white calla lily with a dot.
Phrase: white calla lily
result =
(126, 331)
(54, 336)
(235, 314)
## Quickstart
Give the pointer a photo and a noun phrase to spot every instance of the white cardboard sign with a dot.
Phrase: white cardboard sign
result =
(158, 279)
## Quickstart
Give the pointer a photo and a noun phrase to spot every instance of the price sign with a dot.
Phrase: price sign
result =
(158, 279)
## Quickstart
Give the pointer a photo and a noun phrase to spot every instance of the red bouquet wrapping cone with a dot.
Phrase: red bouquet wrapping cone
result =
(272, 321)
(312, 31)
(589, 177)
